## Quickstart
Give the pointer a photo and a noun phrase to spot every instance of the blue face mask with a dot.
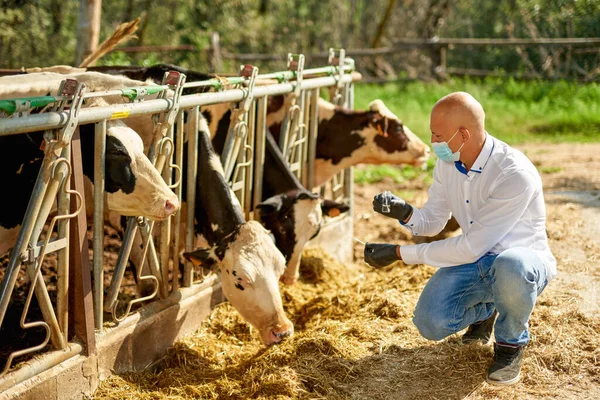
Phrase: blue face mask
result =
(442, 150)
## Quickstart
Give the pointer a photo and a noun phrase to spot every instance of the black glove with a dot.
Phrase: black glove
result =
(380, 255)
(399, 209)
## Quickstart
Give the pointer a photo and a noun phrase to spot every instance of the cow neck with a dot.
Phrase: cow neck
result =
(214, 197)
(278, 177)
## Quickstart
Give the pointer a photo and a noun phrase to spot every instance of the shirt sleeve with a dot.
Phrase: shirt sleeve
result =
(505, 206)
(431, 219)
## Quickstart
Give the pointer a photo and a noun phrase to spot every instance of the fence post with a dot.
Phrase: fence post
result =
(80, 296)
(438, 61)
(215, 59)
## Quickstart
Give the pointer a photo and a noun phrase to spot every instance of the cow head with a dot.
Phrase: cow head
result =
(347, 137)
(250, 267)
(294, 218)
(392, 141)
(133, 185)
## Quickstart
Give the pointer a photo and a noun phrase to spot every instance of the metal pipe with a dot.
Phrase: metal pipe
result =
(313, 130)
(99, 182)
(259, 150)
(35, 367)
(62, 255)
(119, 271)
(52, 120)
(250, 142)
(192, 170)
(165, 226)
(179, 191)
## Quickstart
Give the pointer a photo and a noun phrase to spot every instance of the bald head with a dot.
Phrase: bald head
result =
(459, 112)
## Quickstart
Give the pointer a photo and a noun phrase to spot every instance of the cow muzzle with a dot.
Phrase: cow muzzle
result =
(278, 333)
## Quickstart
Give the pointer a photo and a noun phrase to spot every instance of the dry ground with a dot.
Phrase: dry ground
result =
(354, 336)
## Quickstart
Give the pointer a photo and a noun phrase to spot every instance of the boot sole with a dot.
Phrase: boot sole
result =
(504, 383)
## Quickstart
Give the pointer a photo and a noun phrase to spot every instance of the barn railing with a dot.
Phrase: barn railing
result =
(244, 166)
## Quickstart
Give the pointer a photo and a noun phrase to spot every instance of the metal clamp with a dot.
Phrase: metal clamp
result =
(238, 127)
(295, 62)
(337, 59)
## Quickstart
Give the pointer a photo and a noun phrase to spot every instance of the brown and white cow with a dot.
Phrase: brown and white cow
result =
(249, 262)
(349, 137)
(133, 186)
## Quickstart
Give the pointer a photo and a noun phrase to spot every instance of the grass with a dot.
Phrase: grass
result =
(517, 112)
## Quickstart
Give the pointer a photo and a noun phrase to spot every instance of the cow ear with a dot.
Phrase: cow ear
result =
(332, 208)
(305, 194)
(270, 205)
(201, 258)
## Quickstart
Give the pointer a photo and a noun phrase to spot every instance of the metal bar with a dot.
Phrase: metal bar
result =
(192, 170)
(259, 150)
(52, 120)
(250, 141)
(165, 226)
(80, 296)
(31, 369)
(119, 271)
(99, 182)
(61, 247)
(179, 190)
(313, 130)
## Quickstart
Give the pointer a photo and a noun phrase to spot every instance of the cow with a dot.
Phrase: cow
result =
(249, 262)
(133, 186)
(350, 137)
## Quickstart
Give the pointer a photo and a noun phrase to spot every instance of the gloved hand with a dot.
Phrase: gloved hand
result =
(380, 255)
(399, 209)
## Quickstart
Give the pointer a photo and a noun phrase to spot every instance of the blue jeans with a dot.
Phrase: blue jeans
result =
(456, 297)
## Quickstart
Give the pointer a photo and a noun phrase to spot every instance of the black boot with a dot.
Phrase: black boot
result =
(506, 366)
(480, 331)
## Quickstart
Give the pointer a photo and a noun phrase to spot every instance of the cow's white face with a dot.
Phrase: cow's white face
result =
(133, 186)
(250, 272)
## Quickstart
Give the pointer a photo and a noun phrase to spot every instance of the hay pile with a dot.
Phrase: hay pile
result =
(354, 340)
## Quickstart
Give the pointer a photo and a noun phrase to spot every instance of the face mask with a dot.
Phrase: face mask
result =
(442, 150)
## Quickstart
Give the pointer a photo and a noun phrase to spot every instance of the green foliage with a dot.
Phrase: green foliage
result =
(398, 174)
(516, 111)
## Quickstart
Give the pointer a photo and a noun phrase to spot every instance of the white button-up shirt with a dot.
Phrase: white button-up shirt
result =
(499, 204)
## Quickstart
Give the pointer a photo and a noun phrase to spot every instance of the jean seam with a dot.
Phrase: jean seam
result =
(459, 301)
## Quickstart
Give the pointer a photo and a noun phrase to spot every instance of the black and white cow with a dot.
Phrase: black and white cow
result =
(249, 262)
(133, 186)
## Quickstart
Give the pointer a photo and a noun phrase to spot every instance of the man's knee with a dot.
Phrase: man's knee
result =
(432, 327)
(511, 267)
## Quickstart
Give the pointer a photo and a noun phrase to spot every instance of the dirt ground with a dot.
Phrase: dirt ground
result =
(354, 338)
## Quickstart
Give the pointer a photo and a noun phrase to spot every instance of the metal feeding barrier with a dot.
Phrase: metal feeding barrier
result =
(166, 108)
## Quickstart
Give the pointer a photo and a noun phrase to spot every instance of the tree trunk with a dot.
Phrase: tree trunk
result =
(88, 30)
(55, 11)
(384, 21)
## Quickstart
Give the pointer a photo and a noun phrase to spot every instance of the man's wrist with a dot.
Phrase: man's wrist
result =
(398, 254)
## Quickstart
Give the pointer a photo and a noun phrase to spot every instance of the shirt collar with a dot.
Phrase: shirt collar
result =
(482, 158)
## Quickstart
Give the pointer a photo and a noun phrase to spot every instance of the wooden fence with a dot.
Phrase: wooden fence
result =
(379, 64)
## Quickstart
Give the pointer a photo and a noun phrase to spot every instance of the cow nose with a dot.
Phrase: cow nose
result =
(171, 206)
(277, 335)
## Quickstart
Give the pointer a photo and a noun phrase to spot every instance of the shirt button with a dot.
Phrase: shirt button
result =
(412, 224)
(471, 222)
(467, 201)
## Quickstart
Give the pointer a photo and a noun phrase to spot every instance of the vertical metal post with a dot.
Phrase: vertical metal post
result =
(165, 226)
(99, 182)
(62, 255)
(179, 191)
(192, 134)
(313, 130)
(250, 143)
(259, 149)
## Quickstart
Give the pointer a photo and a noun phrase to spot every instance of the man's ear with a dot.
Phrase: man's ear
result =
(332, 208)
